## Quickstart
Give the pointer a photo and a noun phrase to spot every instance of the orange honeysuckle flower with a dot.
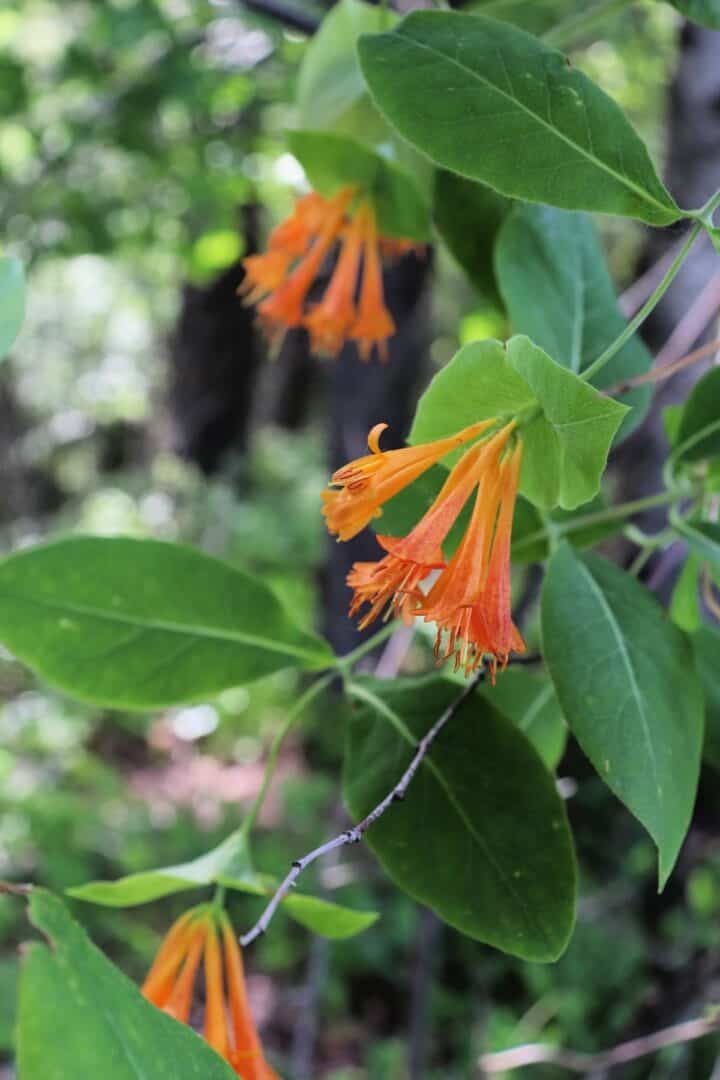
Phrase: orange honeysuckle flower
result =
(329, 321)
(279, 280)
(470, 601)
(205, 934)
(374, 323)
(470, 598)
(365, 484)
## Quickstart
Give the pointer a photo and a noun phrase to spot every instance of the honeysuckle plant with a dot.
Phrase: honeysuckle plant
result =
(402, 123)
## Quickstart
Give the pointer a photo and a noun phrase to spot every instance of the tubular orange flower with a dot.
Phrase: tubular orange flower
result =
(470, 598)
(366, 484)
(280, 279)
(206, 933)
(374, 324)
(330, 320)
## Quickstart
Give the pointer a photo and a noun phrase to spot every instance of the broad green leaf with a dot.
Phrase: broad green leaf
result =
(715, 237)
(566, 444)
(330, 85)
(140, 623)
(698, 433)
(468, 217)
(706, 646)
(228, 864)
(685, 603)
(553, 278)
(705, 12)
(335, 161)
(627, 685)
(12, 301)
(481, 836)
(703, 538)
(327, 919)
(492, 103)
(529, 700)
(81, 1017)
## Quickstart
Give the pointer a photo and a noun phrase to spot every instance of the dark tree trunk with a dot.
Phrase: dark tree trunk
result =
(214, 359)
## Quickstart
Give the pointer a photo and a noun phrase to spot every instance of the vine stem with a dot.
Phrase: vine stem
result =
(566, 31)
(300, 705)
(599, 517)
(649, 305)
(703, 220)
(356, 833)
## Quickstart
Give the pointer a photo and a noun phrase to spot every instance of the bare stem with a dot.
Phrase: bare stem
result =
(542, 1054)
(356, 833)
(657, 374)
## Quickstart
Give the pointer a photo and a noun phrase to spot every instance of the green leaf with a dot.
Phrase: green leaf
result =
(492, 103)
(553, 278)
(706, 646)
(698, 433)
(481, 836)
(329, 920)
(566, 444)
(468, 217)
(330, 84)
(335, 161)
(529, 700)
(705, 12)
(228, 864)
(627, 685)
(12, 301)
(140, 623)
(703, 538)
(685, 603)
(81, 1017)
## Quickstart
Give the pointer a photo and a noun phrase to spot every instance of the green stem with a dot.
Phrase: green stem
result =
(219, 897)
(599, 517)
(344, 663)
(639, 319)
(570, 29)
(300, 705)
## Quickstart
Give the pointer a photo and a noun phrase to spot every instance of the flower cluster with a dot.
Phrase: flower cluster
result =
(468, 597)
(205, 934)
(353, 305)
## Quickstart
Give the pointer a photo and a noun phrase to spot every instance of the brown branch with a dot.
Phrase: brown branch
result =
(356, 833)
(11, 888)
(575, 1061)
(657, 374)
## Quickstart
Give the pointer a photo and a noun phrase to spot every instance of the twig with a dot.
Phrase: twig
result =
(290, 14)
(11, 888)
(696, 319)
(355, 834)
(657, 374)
(575, 1061)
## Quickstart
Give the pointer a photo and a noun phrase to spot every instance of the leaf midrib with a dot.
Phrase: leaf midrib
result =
(162, 625)
(382, 707)
(619, 177)
(627, 663)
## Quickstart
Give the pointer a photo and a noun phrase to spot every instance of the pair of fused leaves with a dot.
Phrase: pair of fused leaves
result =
(569, 426)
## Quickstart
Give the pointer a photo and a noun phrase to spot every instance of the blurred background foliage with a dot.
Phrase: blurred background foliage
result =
(132, 134)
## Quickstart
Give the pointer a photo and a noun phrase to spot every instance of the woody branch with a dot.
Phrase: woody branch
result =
(356, 833)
